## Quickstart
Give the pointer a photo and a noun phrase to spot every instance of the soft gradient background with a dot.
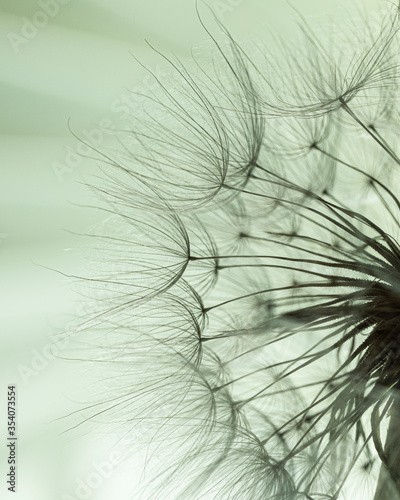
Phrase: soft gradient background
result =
(74, 66)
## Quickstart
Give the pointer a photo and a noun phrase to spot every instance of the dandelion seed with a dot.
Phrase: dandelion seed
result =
(252, 268)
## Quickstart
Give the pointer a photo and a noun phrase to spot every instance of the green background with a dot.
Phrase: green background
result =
(74, 69)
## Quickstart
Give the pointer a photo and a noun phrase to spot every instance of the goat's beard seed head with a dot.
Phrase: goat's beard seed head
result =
(250, 277)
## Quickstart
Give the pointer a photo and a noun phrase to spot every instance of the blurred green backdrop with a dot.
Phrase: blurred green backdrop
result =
(66, 64)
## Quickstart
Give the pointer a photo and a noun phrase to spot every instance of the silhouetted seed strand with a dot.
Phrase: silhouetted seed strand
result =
(388, 487)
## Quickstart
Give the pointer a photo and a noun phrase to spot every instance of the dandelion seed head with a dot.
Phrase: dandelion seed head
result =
(250, 303)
